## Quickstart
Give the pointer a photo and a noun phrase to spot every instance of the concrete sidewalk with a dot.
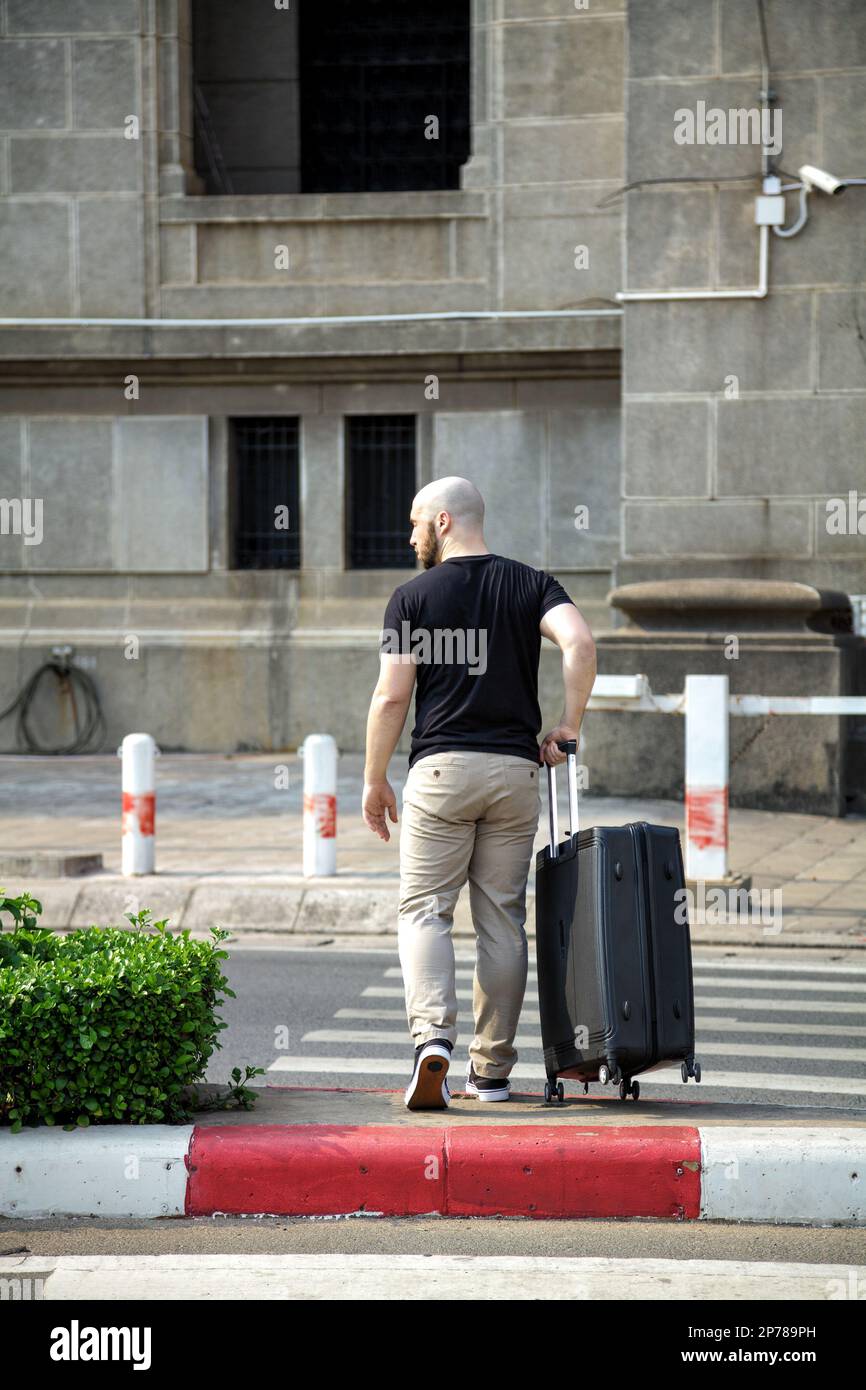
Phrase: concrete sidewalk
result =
(229, 853)
(325, 1152)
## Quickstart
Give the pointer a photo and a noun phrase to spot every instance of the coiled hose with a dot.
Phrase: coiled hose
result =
(74, 685)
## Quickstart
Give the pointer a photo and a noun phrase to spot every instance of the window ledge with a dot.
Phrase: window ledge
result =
(319, 207)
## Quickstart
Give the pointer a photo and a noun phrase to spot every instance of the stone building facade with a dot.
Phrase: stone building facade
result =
(178, 277)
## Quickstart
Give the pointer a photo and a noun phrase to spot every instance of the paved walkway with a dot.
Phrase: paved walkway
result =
(317, 1105)
(229, 850)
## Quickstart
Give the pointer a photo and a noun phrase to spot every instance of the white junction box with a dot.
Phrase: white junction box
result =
(770, 210)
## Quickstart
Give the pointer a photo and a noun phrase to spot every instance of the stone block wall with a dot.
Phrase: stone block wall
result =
(72, 186)
(743, 417)
(117, 495)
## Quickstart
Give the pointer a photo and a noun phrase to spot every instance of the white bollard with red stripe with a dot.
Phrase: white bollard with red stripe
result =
(707, 772)
(319, 752)
(138, 805)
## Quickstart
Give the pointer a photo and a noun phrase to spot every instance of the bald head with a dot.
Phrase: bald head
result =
(456, 496)
(447, 519)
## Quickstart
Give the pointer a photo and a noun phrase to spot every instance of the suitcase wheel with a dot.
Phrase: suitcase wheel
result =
(603, 1074)
(553, 1089)
(627, 1087)
(690, 1067)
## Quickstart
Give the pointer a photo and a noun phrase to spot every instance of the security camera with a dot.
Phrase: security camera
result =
(812, 177)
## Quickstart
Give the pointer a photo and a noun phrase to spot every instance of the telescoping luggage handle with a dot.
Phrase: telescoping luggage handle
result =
(570, 749)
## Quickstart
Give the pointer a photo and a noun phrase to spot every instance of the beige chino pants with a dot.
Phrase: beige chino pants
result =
(474, 816)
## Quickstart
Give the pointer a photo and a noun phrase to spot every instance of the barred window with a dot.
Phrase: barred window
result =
(372, 77)
(330, 96)
(265, 492)
(380, 485)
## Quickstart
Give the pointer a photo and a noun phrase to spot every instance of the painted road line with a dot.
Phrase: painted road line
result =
(105, 1170)
(396, 992)
(784, 967)
(782, 1006)
(394, 972)
(830, 986)
(383, 1015)
(708, 1047)
(708, 1001)
(782, 1050)
(773, 969)
(736, 1025)
(363, 1277)
(526, 1071)
(708, 1023)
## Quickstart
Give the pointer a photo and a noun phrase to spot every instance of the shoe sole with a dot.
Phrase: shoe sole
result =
(428, 1089)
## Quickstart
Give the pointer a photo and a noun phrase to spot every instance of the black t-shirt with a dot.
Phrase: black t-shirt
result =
(471, 624)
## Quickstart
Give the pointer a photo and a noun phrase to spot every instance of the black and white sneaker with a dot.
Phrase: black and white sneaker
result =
(486, 1087)
(428, 1089)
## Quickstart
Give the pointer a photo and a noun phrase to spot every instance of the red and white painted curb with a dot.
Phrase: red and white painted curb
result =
(779, 1174)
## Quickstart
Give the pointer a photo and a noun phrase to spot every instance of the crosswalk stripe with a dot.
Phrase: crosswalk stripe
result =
(736, 1025)
(327, 1276)
(396, 992)
(782, 1006)
(706, 1046)
(784, 967)
(527, 1071)
(706, 1001)
(708, 1024)
(394, 972)
(815, 986)
(809, 1051)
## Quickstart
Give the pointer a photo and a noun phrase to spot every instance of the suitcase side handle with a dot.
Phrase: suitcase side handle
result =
(570, 749)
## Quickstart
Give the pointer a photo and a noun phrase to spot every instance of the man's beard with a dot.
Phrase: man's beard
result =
(428, 550)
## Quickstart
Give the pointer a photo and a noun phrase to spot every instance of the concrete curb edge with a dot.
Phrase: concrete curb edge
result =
(775, 1174)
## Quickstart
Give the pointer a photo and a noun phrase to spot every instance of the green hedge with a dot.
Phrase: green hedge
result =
(104, 1025)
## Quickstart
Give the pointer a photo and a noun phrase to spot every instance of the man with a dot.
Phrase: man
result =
(470, 627)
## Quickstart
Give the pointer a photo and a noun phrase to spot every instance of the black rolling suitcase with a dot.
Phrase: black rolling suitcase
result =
(614, 955)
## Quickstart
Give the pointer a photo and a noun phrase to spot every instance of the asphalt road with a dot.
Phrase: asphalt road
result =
(789, 1031)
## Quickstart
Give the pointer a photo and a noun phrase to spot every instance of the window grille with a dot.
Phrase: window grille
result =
(265, 476)
(371, 75)
(380, 477)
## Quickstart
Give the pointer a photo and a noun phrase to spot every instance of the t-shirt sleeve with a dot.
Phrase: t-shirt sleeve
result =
(395, 637)
(551, 594)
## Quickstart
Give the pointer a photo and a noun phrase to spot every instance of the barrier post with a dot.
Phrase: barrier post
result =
(707, 771)
(319, 752)
(138, 805)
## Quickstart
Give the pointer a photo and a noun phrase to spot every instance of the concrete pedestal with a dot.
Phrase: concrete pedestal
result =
(769, 638)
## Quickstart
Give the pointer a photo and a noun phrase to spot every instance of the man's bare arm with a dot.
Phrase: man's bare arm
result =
(565, 625)
(387, 715)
